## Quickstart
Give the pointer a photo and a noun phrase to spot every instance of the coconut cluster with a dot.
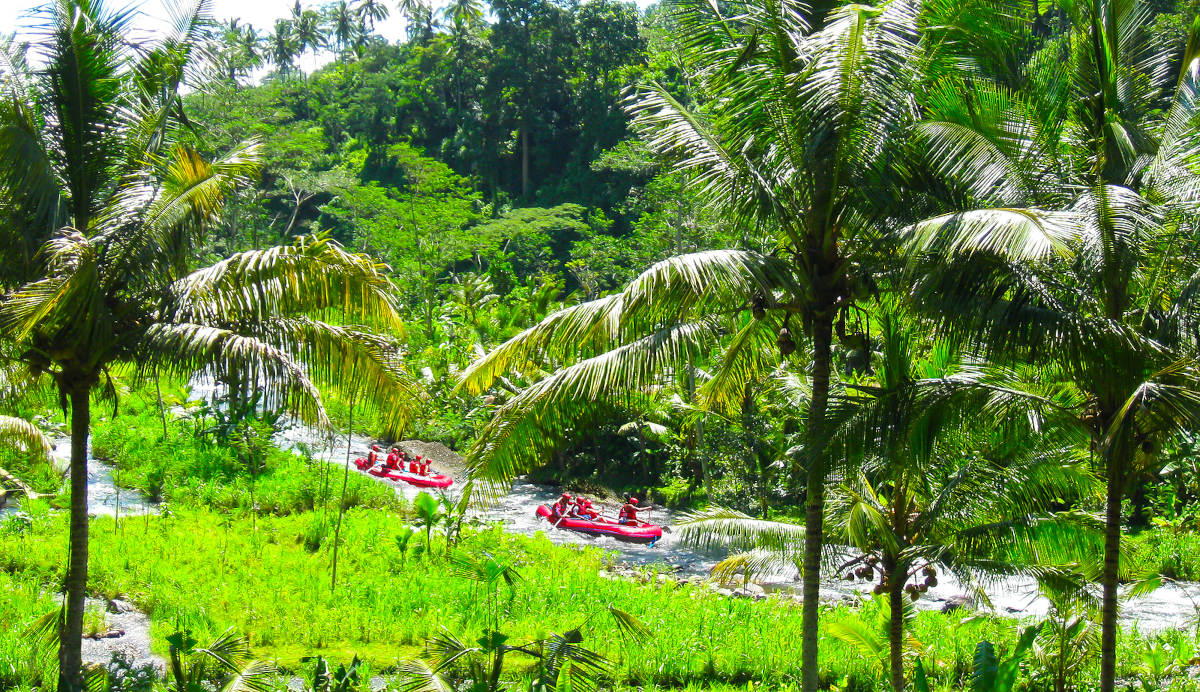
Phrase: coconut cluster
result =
(869, 569)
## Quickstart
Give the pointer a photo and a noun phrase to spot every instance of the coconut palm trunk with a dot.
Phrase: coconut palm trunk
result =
(1111, 575)
(896, 624)
(814, 515)
(70, 656)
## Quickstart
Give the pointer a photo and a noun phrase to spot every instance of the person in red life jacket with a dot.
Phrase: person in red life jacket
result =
(373, 455)
(415, 465)
(588, 512)
(580, 508)
(629, 512)
(425, 468)
(559, 509)
(393, 458)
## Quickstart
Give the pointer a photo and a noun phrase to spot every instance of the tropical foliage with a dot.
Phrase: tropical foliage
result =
(894, 293)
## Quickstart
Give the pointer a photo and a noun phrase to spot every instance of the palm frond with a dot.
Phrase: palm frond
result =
(313, 275)
(565, 331)
(24, 436)
(25, 165)
(418, 676)
(229, 650)
(160, 218)
(629, 625)
(759, 562)
(674, 290)
(254, 676)
(729, 528)
(863, 637)
(443, 649)
(524, 431)
(1013, 233)
(187, 349)
(349, 360)
(582, 667)
(68, 300)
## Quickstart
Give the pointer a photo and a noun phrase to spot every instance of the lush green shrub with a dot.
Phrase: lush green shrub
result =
(187, 468)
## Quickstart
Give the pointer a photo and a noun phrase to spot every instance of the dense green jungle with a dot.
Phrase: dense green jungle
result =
(872, 331)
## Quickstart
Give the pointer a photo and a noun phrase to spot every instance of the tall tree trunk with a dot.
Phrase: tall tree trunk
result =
(1112, 557)
(70, 657)
(524, 160)
(337, 532)
(815, 511)
(698, 433)
(896, 626)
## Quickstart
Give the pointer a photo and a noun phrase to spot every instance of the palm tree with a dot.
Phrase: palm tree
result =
(463, 13)
(418, 15)
(371, 11)
(343, 25)
(1069, 250)
(249, 48)
(283, 46)
(125, 211)
(921, 499)
(804, 102)
(307, 29)
(234, 49)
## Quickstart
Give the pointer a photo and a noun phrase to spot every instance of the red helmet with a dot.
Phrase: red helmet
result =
(566, 496)
(633, 500)
(375, 447)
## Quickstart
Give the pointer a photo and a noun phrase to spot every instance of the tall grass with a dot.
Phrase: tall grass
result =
(206, 566)
(205, 571)
(25, 664)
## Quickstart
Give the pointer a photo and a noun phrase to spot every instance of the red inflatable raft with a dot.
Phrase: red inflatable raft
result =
(435, 480)
(640, 533)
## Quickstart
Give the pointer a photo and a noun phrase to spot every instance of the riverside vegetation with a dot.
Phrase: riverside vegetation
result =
(916, 279)
(267, 577)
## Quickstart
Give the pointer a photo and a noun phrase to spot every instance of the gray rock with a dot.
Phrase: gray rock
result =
(119, 606)
(956, 603)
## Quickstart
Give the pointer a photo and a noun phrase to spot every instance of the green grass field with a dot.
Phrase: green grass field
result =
(208, 564)
(205, 571)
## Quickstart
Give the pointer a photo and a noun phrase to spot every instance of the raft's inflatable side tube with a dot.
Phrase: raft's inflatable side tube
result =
(436, 480)
(642, 533)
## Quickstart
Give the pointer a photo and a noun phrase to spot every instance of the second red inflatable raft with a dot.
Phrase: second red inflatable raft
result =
(630, 533)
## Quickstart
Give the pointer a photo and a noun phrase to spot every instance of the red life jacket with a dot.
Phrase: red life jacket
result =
(392, 460)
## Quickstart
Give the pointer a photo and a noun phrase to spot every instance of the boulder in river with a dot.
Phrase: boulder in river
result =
(956, 603)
